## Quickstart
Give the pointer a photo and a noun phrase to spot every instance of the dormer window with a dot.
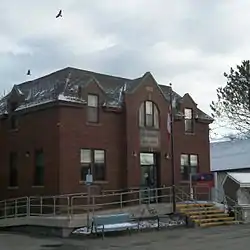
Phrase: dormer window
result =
(149, 115)
(189, 120)
(93, 108)
(13, 118)
(13, 122)
(13, 106)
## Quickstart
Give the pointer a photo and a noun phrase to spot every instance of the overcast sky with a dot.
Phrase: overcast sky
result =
(187, 42)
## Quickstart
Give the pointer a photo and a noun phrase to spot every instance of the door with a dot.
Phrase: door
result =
(148, 177)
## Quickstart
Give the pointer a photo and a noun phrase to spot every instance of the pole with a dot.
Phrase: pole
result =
(89, 180)
(88, 202)
(191, 190)
(172, 148)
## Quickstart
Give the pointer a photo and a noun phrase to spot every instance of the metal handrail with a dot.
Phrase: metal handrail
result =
(59, 204)
(237, 213)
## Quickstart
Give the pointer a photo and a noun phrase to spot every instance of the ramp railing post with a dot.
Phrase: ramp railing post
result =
(5, 209)
(68, 206)
(121, 200)
(54, 205)
(41, 205)
(93, 205)
(15, 214)
(28, 206)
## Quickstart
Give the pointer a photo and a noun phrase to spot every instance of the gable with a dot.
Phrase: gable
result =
(187, 99)
(144, 80)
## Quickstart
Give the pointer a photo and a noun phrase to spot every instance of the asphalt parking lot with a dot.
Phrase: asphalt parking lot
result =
(230, 238)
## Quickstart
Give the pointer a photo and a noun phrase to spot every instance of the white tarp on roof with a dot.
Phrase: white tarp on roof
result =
(230, 155)
(243, 179)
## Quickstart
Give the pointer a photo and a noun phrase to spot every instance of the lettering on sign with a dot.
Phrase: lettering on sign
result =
(149, 138)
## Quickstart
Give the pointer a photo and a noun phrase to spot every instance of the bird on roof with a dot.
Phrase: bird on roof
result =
(59, 14)
(28, 72)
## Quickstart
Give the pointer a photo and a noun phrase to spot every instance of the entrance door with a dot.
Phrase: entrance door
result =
(148, 176)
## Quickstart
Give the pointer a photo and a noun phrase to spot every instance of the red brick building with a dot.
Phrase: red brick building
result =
(55, 128)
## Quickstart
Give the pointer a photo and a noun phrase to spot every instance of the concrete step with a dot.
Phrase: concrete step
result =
(219, 223)
(207, 216)
(188, 205)
(184, 210)
(214, 211)
(217, 219)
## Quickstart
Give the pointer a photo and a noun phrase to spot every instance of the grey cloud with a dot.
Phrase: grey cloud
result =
(206, 26)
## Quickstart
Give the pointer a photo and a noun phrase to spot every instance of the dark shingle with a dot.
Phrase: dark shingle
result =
(64, 85)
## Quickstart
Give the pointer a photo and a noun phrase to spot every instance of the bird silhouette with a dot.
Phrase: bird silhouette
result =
(59, 14)
(28, 73)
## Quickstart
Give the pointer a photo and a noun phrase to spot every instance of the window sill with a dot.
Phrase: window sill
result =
(37, 186)
(149, 128)
(94, 124)
(94, 182)
(189, 133)
(13, 188)
(12, 130)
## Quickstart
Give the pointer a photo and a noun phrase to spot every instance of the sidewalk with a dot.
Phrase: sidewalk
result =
(223, 238)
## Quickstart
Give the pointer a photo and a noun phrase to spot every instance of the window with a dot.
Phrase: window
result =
(85, 163)
(99, 165)
(13, 106)
(189, 165)
(13, 122)
(39, 168)
(13, 174)
(93, 160)
(148, 115)
(13, 117)
(189, 120)
(93, 111)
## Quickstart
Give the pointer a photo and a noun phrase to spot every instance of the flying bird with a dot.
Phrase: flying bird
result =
(28, 73)
(59, 14)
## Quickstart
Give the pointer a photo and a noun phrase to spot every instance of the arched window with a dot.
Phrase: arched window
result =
(148, 115)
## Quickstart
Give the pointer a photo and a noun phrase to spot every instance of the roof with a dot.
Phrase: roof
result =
(63, 85)
(243, 179)
(230, 155)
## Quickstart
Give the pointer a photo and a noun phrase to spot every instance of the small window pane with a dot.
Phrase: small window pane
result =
(189, 126)
(156, 117)
(141, 115)
(193, 160)
(13, 171)
(149, 108)
(99, 171)
(84, 172)
(149, 120)
(184, 160)
(193, 170)
(85, 156)
(185, 173)
(92, 114)
(92, 101)
(39, 168)
(188, 113)
(146, 159)
(13, 122)
(99, 156)
(39, 176)
(39, 158)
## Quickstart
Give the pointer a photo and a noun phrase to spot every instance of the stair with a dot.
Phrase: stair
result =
(205, 214)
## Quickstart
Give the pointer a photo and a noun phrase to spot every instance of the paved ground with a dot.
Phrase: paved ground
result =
(228, 238)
